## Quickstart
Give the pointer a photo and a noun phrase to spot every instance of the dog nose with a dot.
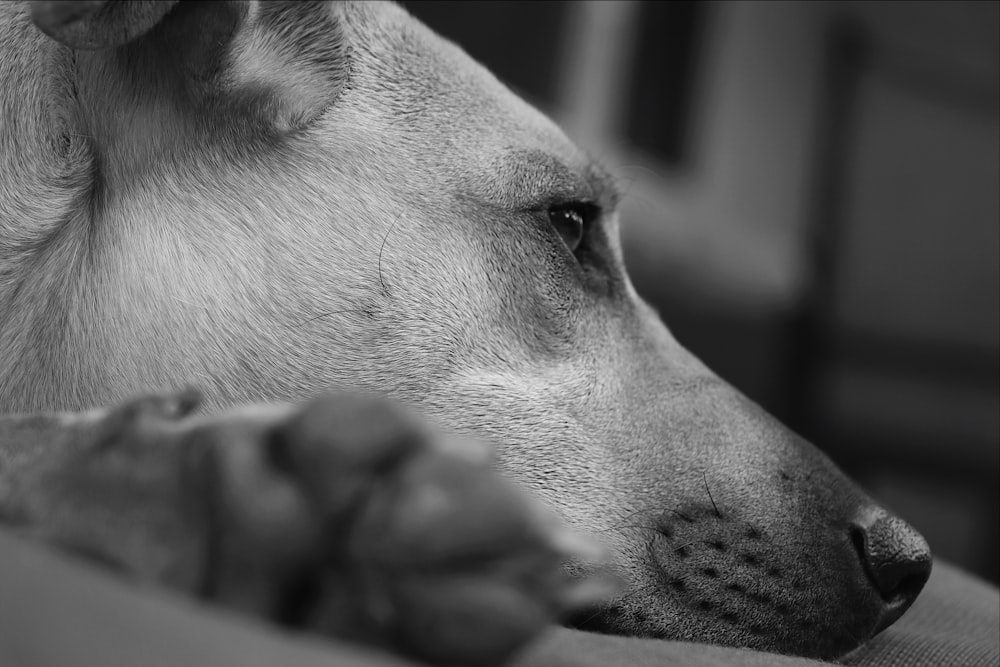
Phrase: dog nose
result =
(896, 558)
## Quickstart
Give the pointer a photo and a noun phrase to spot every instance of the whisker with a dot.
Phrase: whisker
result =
(643, 168)
(587, 620)
(709, 491)
(646, 203)
(380, 251)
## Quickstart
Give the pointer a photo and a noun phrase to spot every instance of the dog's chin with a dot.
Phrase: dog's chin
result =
(762, 621)
(729, 595)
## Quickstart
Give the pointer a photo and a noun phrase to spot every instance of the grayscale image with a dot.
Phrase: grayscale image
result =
(571, 333)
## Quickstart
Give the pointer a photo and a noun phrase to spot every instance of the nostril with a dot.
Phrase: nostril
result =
(895, 556)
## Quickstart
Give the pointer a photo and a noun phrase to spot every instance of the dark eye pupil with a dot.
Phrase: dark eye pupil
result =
(569, 221)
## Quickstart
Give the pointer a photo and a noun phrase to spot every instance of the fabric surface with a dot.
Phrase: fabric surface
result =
(954, 622)
(56, 612)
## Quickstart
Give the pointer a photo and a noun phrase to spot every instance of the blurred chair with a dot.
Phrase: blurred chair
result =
(894, 361)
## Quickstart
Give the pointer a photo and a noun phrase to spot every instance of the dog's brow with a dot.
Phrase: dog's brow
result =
(605, 185)
(539, 176)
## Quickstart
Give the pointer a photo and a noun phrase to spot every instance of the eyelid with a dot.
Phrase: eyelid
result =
(557, 202)
(558, 194)
(536, 180)
(590, 209)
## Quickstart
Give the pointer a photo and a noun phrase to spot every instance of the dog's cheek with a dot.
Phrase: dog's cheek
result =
(534, 291)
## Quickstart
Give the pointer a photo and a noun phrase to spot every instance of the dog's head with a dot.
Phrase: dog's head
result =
(280, 198)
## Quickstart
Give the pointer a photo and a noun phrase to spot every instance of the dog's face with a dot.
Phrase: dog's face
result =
(284, 198)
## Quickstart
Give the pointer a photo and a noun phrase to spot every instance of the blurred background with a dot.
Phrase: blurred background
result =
(813, 209)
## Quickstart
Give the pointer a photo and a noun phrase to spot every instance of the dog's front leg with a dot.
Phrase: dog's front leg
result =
(346, 516)
(106, 484)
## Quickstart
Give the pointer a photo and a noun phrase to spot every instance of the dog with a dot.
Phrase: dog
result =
(268, 200)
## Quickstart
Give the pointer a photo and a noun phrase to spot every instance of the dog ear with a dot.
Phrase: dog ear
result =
(97, 24)
(290, 56)
(273, 63)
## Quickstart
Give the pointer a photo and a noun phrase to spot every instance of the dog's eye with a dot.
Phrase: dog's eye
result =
(571, 220)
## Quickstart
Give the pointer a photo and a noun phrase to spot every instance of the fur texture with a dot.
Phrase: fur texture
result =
(291, 198)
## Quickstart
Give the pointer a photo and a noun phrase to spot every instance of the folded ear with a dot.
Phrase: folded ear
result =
(290, 56)
(277, 64)
(97, 24)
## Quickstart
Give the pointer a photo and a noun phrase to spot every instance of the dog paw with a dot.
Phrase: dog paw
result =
(347, 516)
